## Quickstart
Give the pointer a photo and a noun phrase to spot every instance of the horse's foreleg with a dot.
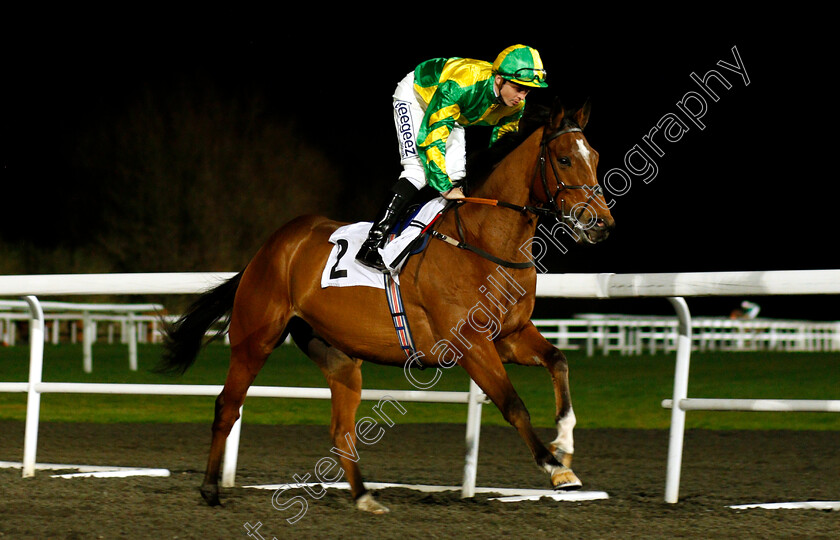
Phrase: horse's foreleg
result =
(529, 347)
(563, 447)
(344, 376)
(489, 374)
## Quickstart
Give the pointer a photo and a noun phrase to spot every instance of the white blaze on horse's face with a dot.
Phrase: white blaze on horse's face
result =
(585, 155)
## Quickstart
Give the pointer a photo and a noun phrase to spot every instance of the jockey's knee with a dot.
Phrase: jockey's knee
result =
(415, 174)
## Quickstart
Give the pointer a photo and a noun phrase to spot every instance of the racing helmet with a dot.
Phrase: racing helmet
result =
(521, 64)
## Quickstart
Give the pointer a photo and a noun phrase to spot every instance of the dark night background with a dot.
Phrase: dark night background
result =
(752, 191)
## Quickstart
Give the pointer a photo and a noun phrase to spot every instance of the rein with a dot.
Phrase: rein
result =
(536, 210)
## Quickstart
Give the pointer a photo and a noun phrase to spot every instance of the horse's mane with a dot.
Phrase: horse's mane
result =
(482, 162)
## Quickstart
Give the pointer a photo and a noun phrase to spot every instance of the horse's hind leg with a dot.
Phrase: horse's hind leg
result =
(344, 376)
(247, 358)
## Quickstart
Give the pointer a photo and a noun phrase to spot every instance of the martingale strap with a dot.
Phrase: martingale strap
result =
(395, 304)
(477, 250)
(480, 252)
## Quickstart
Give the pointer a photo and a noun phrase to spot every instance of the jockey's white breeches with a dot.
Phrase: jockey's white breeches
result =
(408, 114)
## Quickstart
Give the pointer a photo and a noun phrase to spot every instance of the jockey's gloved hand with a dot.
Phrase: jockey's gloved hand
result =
(453, 193)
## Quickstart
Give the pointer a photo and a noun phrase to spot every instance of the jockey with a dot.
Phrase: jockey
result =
(747, 310)
(750, 309)
(432, 105)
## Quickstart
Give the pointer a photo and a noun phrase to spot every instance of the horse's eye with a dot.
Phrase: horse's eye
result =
(565, 161)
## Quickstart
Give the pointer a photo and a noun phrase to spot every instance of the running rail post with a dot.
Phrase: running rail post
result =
(675, 443)
(476, 398)
(87, 342)
(33, 397)
(132, 342)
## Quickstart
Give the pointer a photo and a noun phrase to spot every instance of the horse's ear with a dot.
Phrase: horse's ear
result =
(558, 112)
(582, 114)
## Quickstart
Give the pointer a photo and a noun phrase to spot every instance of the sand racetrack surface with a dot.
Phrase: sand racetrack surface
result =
(720, 468)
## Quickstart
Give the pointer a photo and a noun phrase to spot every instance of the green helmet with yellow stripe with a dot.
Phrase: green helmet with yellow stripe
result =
(521, 64)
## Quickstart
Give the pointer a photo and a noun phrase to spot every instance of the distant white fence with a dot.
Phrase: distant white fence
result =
(671, 286)
(636, 334)
(604, 334)
(137, 323)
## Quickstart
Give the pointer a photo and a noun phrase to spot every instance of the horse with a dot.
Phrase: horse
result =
(549, 171)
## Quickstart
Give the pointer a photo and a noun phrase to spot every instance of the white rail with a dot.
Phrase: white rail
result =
(127, 283)
(672, 286)
(771, 282)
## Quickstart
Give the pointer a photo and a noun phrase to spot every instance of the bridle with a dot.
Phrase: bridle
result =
(559, 212)
(546, 158)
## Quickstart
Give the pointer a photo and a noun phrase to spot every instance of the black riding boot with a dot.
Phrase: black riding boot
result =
(388, 216)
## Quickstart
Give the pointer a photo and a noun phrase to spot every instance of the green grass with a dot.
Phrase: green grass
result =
(610, 392)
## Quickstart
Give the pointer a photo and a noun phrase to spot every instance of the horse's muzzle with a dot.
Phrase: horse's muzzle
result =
(599, 231)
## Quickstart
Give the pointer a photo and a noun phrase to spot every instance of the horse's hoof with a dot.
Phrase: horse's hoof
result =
(210, 495)
(563, 479)
(367, 503)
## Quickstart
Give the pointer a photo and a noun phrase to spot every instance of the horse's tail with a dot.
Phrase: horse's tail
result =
(184, 338)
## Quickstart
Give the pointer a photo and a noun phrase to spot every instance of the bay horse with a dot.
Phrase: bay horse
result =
(550, 171)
